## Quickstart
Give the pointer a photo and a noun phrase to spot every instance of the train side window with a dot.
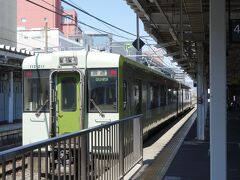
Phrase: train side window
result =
(163, 95)
(153, 96)
(170, 98)
(187, 95)
(125, 94)
(137, 98)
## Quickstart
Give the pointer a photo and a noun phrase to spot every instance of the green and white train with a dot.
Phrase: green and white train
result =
(68, 91)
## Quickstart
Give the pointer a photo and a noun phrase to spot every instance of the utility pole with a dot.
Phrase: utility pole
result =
(138, 38)
(137, 32)
(46, 35)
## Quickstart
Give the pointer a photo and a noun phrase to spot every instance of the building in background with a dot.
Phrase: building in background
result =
(35, 23)
(32, 16)
(100, 42)
(69, 23)
(34, 40)
(8, 22)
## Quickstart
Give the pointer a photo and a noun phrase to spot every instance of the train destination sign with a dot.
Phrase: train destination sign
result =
(235, 30)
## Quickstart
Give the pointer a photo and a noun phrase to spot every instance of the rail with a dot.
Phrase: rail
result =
(10, 138)
(107, 151)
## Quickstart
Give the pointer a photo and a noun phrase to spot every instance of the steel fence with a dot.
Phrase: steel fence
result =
(108, 151)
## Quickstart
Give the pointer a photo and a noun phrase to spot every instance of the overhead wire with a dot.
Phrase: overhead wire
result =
(80, 9)
(96, 29)
(158, 55)
(92, 27)
(70, 15)
(103, 21)
(80, 22)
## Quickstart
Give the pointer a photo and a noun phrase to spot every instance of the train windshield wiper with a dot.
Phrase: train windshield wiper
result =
(41, 107)
(96, 106)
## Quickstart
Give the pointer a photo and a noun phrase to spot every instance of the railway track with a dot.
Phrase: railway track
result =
(10, 139)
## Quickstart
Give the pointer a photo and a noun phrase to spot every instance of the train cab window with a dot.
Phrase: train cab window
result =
(68, 84)
(36, 90)
(102, 95)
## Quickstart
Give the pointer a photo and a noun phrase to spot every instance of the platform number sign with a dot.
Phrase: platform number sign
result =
(235, 30)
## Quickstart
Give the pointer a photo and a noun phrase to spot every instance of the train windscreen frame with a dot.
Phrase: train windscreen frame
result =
(103, 90)
(35, 90)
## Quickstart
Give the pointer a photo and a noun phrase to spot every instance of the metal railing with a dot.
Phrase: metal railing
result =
(108, 151)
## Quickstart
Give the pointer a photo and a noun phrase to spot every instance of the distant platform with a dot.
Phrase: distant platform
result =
(10, 126)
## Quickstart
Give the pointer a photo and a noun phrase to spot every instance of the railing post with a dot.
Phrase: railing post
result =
(137, 139)
(121, 150)
(141, 137)
(84, 156)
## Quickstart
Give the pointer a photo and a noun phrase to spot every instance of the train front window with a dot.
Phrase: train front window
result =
(36, 90)
(102, 90)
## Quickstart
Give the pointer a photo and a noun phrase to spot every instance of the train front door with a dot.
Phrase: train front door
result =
(68, 96)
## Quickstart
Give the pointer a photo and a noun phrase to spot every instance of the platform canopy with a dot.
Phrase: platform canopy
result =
(11, 58)
(179, 31)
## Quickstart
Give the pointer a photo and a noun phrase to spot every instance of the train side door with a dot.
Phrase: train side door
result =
(68, 96)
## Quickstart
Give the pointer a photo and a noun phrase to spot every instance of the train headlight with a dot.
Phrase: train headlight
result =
(63, 61)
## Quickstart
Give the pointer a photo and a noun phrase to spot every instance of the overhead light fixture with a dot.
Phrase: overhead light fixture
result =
(172, 54)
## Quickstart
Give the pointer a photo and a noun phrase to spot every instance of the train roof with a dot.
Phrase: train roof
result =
(158, 73)
(95, 59)
(51, 60)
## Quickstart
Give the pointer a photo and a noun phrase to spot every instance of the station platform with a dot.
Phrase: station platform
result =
(10, 135)
(186, 158)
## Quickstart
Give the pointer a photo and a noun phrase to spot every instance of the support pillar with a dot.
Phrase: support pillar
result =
(200, 95)
(10, 98)
(218, 90)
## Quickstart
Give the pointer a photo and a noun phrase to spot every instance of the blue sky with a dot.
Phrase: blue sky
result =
(115, 12)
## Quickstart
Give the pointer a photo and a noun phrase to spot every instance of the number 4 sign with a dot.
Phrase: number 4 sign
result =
(234, 32)
(236, 29)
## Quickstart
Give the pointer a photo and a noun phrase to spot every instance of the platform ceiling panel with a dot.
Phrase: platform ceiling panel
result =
(162, 20)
